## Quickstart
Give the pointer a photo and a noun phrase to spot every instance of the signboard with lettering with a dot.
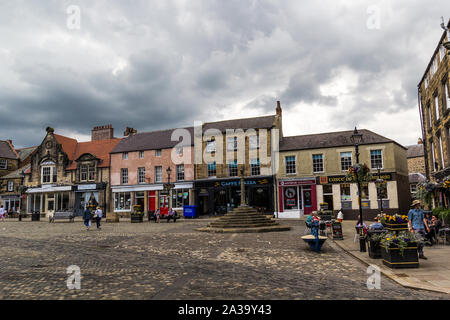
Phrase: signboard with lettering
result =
(296, 182)
(344, 179)
(337, 231)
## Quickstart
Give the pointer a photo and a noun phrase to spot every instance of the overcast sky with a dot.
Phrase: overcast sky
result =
(161, 64)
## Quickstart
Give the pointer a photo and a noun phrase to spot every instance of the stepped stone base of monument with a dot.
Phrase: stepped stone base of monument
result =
(243, 219)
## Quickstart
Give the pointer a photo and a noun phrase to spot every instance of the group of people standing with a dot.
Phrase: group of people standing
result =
(87, 217)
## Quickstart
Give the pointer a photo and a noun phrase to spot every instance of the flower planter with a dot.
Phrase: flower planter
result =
(396, 226)
(393, 258)
(137, 218)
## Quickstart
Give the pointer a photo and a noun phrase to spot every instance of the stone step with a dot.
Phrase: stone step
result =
(245, 230)
(229, 218)
(248, 225)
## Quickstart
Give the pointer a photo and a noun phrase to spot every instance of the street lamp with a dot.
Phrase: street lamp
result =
(357, 139)
(380, 186)
(446, 44)
(169, 186)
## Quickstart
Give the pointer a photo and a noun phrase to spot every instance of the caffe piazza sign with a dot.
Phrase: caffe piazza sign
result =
(345, 179)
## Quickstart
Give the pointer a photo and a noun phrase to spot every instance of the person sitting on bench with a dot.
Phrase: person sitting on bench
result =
(171, 215)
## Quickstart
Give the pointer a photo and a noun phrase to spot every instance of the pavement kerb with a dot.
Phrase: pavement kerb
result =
(389, 274)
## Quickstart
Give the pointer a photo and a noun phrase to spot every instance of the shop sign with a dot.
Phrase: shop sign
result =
(344, 179)
(237, 183)
(296, 182)
(87, 187)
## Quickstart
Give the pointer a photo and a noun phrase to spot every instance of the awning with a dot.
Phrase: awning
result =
(153, 187)
(49, 189)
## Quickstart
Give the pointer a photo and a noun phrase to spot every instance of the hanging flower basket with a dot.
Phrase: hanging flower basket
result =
(359, 173)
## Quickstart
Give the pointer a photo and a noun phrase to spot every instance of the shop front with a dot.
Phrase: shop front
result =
(297, 197)
(221, 196)
(49, 199)
(89, 195)
(151, 198)
(340, 193)
(11, 202)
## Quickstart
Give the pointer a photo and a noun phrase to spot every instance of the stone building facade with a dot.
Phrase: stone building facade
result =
(67, 175)
(416, 166)
(313, 172)
(434, 105)
(223, 149)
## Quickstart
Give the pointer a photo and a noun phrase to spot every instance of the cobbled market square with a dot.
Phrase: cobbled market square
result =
(172, 261)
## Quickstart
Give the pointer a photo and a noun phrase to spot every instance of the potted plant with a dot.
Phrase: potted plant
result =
(399, 249)
(137, 216)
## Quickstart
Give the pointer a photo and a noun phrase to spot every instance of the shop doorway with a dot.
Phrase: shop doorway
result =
(50, 203)
(152, 201)
(164, 204)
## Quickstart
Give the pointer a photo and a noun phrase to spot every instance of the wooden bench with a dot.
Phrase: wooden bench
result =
(62, 216)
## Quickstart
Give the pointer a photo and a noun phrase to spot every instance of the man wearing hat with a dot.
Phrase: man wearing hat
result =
(417, 224)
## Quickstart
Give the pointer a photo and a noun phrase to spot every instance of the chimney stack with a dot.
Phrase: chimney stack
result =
(102, 133)
(279, 110)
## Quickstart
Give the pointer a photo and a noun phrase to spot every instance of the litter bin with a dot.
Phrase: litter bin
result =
(36, 216)
(190, 212)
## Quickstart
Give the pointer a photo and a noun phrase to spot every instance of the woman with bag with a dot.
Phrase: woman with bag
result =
(98, 215)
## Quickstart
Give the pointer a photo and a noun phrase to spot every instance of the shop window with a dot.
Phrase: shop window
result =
(233, 168)
(141, 175)
(346, 160)
(180, 198)
(158, 174)
(10, 186)
(290, 165)
(211, 169)
(3, 164)
(180, 172)
(62, 201)
(345, 192)
(317, 162)
(376, 159)
(255, 167)
(290, 198)
(124, 176)
(122, 201)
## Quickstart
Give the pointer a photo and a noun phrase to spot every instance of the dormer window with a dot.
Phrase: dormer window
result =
(3, 164)
(48, 172)
(87, 173)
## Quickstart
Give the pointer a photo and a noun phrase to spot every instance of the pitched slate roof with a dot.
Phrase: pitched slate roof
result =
(7, 150)
(330, 140)
(162, 139)
(154, 140)
(16, 174)
(25, 152)
(415, 151)
(98, 148)
(265, 122)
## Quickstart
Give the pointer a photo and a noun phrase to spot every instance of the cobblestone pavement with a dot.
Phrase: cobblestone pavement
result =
(172, 261)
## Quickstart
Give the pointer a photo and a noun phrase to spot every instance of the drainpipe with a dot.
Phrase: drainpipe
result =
(424, 140)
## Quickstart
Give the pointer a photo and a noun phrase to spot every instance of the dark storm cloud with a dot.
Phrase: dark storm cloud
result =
(159, 64)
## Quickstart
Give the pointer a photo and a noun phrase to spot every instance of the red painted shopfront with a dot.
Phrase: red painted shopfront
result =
(297, 195)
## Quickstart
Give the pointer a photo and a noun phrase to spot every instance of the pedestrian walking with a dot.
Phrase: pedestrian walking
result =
(98, 215)
(171, 215)
(87, 216)
(2, 213)
(417, 224)
(157, 216)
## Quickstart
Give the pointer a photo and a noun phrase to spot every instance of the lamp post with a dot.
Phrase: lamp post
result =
(380, 186)
(357, 139)
(446, 44)
(169, 186)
